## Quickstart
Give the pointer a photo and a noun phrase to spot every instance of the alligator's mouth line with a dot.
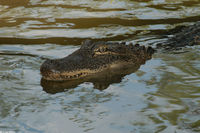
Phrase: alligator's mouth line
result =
(60, 76)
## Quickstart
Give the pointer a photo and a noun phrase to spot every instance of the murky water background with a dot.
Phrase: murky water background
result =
(162, 96)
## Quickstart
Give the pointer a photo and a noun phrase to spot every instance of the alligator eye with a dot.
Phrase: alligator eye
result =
(101, 49)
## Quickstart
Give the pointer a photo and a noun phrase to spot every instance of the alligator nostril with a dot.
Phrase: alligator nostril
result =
(48, 61)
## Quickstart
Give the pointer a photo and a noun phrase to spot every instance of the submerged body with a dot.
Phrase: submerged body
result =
(182, 36)
(94, 57)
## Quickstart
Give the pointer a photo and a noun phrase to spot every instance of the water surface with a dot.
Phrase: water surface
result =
(163, 95)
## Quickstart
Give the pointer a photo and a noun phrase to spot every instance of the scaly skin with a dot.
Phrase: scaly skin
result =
(94, 57)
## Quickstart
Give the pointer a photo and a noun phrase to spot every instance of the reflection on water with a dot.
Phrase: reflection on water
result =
(163, 95)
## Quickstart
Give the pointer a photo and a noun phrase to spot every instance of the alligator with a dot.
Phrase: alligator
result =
(95, 57)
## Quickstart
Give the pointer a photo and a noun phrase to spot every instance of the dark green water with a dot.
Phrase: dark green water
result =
(162, 96)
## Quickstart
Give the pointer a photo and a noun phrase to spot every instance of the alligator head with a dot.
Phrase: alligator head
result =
(94, 57)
